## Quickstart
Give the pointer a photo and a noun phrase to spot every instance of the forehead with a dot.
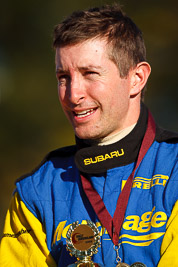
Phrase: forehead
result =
(85, 53)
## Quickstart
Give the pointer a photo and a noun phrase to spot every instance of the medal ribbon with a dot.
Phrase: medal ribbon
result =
(113, 225)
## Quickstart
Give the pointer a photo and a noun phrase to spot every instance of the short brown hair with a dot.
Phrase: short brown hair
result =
(125, 41)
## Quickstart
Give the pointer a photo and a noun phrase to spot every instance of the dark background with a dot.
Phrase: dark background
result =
(32, 122)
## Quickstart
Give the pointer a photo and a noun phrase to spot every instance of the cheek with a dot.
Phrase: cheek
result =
(119, 99)
(61, 94)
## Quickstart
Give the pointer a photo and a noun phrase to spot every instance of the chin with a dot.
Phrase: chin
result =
(93, 132)
(84, 136)
(87, 135)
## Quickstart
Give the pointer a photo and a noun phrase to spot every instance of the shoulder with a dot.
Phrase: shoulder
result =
(34, 187)
(59, 156)
(165, 153)
(167, 146)
(163, 135)
(62, 152)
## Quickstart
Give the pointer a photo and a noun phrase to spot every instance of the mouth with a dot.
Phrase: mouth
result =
(84, 113)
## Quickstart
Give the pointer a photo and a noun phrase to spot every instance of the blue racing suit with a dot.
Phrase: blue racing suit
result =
(47, 201)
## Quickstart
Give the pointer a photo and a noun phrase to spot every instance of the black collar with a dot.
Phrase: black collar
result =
(97, 159)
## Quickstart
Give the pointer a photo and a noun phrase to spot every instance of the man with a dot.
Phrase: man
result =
(121, 174)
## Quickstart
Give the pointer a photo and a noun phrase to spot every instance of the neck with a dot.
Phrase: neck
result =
(113, 138)
(97, 159)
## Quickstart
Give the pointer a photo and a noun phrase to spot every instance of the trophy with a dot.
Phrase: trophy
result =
(82, 242)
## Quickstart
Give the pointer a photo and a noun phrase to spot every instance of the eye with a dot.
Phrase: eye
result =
(91, 74)
(63, 79)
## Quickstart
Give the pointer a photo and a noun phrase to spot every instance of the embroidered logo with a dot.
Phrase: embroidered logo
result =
(111, 155)
(144, 183)
(139, 230)
(16, 235)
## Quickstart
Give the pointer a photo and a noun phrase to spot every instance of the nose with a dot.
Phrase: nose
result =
(76, 90)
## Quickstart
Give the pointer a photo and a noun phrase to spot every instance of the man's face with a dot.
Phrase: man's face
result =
(93, 96)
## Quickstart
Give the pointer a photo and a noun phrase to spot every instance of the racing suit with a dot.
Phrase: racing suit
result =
(47, 201)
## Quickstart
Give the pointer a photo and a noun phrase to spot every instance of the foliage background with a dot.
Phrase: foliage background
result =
(32, 122)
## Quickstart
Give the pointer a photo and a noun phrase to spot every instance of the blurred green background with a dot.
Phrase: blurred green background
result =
(32, 122)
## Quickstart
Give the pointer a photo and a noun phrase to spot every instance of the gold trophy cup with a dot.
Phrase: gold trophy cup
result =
(82, 242)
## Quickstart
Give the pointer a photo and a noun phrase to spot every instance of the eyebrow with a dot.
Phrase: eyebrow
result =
(60, 70)
(91, 67)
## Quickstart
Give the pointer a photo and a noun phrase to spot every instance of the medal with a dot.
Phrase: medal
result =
(122, 264)
(118, 259)
(82, 242)
(137, 264)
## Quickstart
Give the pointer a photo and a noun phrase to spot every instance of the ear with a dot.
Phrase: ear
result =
(139, 77)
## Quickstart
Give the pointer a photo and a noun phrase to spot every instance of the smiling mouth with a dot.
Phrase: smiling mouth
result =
(84, 113)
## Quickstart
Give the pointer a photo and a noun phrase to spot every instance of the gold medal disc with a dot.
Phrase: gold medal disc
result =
(83, 237)
(82, 242)
(122, 264)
